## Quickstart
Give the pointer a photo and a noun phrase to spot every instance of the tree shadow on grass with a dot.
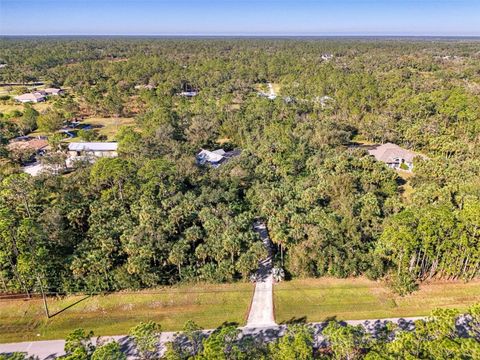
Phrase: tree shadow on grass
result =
(69, 306)
(295, 320)
(229, 323)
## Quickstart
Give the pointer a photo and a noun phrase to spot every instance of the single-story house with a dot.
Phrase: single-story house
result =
(34, 169)
(188, 93)
(215, 158)
(27, 149)
(327, 57)
(147, 87)
(89, 151)
(25, 143)
(31, 97)
(38, 168)
(53, 91)
(394, 156)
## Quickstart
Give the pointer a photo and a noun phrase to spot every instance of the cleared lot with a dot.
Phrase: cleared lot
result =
(349, 299)
(108, 127)
(208, 305)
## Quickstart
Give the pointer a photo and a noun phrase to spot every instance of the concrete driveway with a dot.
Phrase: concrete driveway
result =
(261, 309)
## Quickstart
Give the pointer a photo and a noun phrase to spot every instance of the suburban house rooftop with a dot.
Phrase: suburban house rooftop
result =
(28, 144)
(389, 152)
(216, 157)
(53, 91)
(393, 155)
(92, 146)
(141, 86)
(188, 93)
(30, 97)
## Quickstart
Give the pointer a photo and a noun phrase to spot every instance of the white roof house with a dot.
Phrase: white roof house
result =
(92, 146)
(37, 168)
(53, 91)
(89, 151)
(188, 93)
(30, 97)
(34, 169)
(215, 158)
(148, 87)
(327, 57)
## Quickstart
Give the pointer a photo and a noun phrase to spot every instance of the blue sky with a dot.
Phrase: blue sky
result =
(240, 17)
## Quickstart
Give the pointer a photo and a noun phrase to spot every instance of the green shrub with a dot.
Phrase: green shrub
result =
(404, 166)
(403, 283)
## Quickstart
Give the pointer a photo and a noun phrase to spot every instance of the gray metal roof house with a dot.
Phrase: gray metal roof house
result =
(393, 155)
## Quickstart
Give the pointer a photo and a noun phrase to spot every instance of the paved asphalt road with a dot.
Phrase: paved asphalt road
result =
(50, 349)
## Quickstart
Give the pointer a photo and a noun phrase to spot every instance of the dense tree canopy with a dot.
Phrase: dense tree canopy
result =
(152, 216)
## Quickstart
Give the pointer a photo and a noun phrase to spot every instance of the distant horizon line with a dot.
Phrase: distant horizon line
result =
(240, 35)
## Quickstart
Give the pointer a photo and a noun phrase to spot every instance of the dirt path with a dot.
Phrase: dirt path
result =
(261, 310)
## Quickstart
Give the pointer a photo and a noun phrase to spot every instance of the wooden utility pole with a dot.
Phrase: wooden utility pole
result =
(45, 305)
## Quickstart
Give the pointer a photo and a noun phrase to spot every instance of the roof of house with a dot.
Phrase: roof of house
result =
(389, 152)
(29, 96)
(33, 169)
(215, 157)
(230, 154)
(32, 144)
(93, 146)
(52, 90)
(189, 93)
(210, 156)
(219, 152)
(148, 87)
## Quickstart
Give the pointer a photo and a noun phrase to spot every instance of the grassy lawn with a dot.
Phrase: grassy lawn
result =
(108, 126)
(18, 89)
(8, 108)
(350, 299)
(207, 305)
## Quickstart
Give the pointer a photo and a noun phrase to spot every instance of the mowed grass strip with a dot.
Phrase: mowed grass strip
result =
(114, 314)
(108, 127)
(355, 299)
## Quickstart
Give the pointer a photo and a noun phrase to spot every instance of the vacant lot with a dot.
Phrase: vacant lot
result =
(207, 305)
(8, 108)
(350, 299)
(109, 127)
